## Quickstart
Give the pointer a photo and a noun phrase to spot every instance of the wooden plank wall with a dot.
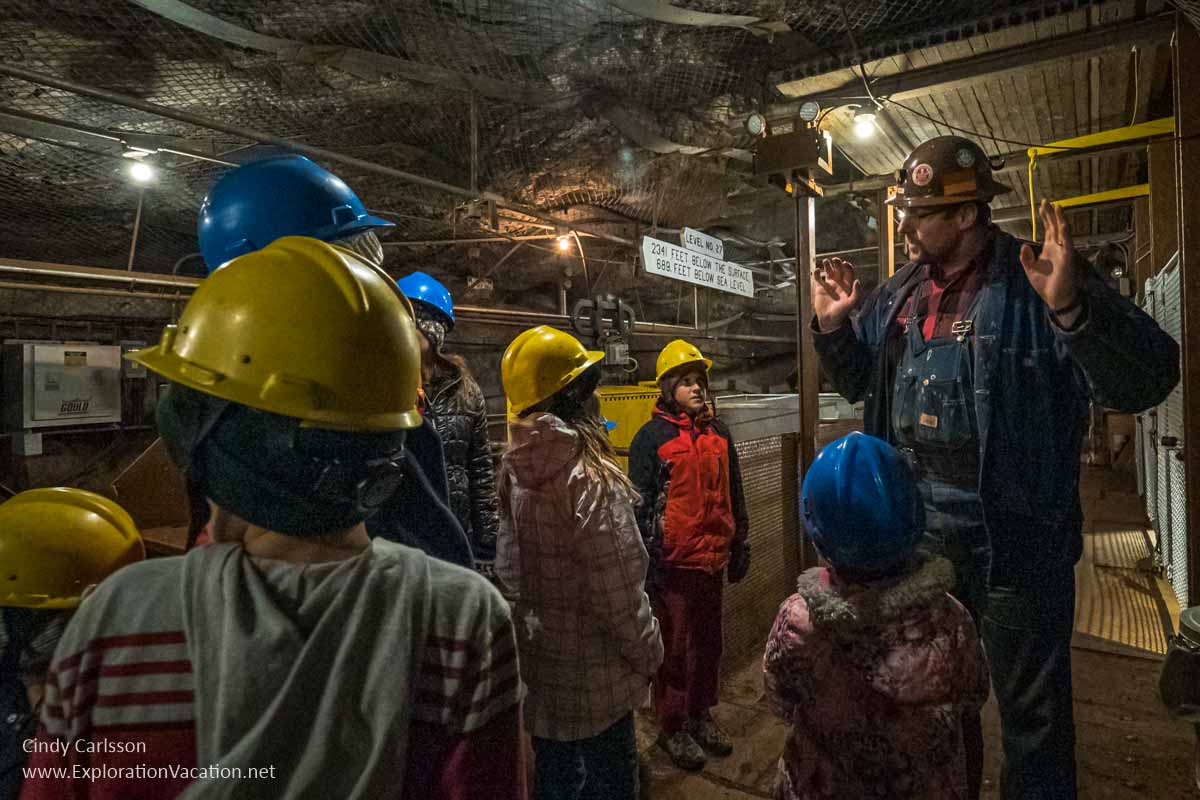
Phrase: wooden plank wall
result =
(1037, 105)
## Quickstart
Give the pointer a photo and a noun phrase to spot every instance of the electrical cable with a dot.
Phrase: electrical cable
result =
(857, 55)
(1137, 68)
(862, 73)
(976, 134)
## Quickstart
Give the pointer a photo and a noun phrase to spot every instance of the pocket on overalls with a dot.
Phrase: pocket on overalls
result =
(904, 403)
(944, 414)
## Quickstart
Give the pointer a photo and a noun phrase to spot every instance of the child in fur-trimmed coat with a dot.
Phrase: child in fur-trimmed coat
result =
(872, 662)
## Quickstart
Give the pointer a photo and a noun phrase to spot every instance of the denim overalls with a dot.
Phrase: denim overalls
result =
(933, 418)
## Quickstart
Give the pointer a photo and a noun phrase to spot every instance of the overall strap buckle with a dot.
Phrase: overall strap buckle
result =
(962, 329)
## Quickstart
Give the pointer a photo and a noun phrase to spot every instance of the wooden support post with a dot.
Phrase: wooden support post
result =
(1187, 161)
(886, 222)
(1141, 267)
(807, 369)
(1164, 221)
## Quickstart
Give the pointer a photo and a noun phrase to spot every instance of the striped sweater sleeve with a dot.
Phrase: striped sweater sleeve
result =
(468, 672)
(467, 738)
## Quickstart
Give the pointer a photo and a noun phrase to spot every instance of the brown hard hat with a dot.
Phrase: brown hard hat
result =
(945, 171)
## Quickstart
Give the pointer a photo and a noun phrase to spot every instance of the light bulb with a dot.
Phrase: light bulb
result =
(564, 242)
(864, 126)
(141, 172)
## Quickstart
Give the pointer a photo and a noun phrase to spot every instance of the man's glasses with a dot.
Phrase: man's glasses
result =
(917, 215)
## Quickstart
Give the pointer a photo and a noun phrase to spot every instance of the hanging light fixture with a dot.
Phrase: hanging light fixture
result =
(864, 122)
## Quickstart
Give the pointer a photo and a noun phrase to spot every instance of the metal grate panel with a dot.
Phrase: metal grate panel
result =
(1179, 541)
(768, 477)
(1169, 495)
(1139, 440)
(1147, 439)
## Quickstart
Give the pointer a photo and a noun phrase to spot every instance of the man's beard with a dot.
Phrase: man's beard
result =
(920, 254)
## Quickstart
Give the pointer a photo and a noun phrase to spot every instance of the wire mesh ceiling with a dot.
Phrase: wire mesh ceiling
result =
(593, 108)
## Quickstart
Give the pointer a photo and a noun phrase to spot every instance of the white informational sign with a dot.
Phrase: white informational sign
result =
(673, 261)
(702, 243)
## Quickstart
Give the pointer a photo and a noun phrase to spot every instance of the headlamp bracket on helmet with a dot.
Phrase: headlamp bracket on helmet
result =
(370, 483)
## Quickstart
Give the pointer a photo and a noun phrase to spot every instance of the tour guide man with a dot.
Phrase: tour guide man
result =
(978, 359)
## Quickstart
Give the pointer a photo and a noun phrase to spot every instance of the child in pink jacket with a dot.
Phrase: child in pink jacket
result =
(872, 662)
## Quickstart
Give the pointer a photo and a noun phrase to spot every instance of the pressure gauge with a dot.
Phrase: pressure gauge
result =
(756, 124)
(809, 110)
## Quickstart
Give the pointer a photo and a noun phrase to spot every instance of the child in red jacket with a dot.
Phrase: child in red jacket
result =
(694, 522)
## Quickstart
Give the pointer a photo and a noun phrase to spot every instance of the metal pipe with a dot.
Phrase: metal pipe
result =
(124, 277)
(137, 225)
(479, 240)
(90, 290)
(495, 316)
(506, 323)
(279, 141)
(505, 316)
(587, 279)
(655, 329)
(509, 313)
(474, 142)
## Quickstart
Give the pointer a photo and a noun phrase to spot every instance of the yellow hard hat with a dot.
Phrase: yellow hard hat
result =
(676, 354)
(56, 542)
(539, 363)
(303, 329)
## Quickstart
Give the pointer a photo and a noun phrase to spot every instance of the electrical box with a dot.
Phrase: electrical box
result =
(132, 369)
(53, 384)
(785, 152)
(616, 353)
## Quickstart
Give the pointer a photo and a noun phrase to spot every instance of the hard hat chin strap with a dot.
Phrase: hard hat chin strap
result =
(274, 473)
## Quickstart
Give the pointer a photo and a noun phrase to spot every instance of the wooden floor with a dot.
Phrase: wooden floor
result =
(1121, 604)
(1127, 745)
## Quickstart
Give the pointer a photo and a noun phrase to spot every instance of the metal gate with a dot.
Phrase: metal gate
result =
(769, 473)
(1161, 450)
(1147, 429)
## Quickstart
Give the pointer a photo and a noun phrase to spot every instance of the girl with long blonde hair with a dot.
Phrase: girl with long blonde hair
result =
(571, 559)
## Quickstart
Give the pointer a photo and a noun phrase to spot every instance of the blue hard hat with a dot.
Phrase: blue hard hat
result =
(861, 505)
(422, 288)
(285, 195)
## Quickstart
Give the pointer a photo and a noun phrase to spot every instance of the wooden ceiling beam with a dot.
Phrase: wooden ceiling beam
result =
(964, 72)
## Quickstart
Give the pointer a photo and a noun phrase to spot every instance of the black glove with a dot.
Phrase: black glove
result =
(739, 562)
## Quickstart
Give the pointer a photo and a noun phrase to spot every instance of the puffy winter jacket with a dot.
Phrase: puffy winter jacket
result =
(874, 680)
(693, 512)
(570, 558)
(455, 404)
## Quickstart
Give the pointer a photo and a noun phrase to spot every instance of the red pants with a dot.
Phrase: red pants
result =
(689, 615)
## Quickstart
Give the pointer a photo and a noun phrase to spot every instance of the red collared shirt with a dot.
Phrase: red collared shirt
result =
(940, 302)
